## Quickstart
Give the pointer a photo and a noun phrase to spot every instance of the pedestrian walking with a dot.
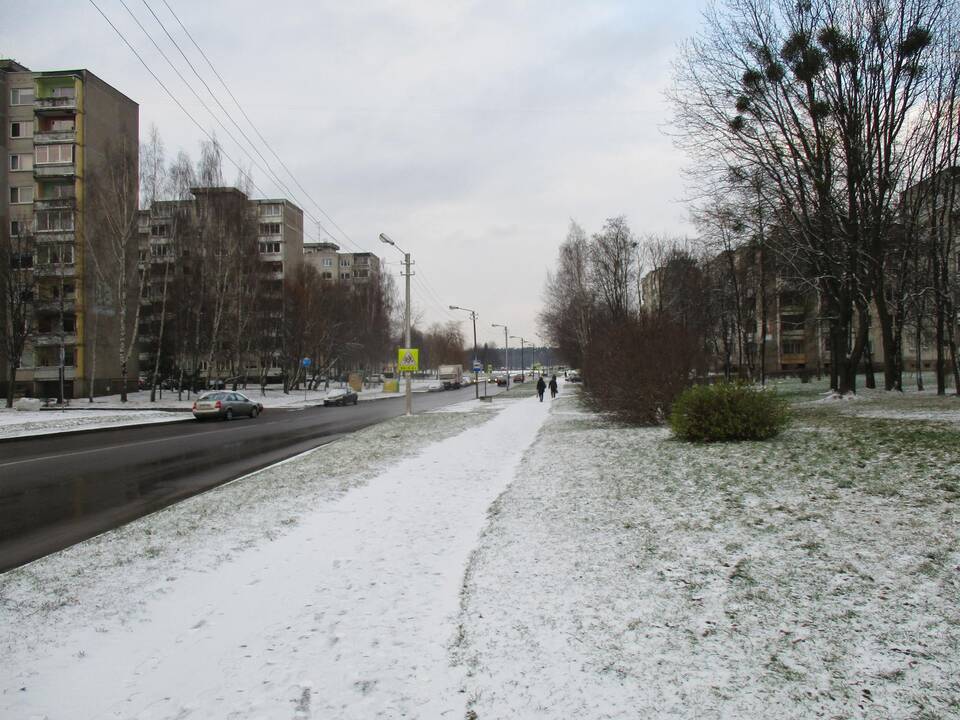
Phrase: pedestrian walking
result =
(541, 388)
(553, 387)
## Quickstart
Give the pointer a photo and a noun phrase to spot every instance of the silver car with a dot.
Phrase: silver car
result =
(225, 404)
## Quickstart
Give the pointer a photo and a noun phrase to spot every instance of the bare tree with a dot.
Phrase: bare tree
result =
(817, 98)
(16, 290)
(113, 246)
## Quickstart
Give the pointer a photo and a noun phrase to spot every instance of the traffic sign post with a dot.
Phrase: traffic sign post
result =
(408, 359)
(306, 362)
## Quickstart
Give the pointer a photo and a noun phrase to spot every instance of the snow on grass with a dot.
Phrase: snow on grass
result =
(15, 423)
(327, 585)
(626, 574)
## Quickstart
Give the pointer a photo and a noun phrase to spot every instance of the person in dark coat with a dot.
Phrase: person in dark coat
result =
(553, 387)
(541, 388)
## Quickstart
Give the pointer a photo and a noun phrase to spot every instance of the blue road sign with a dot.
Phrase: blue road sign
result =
(306, 362)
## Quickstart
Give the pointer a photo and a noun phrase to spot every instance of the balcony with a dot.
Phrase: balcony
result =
(53, 339)
(66, 203)
(47, 307)
(57, 104)
(53, 373)
(55, 171)
(57, 237)
(67, 271)
(49, 137)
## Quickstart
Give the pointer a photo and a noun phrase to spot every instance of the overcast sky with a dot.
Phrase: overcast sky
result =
(470, 132)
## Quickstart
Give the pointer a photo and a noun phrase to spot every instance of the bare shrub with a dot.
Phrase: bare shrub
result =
(636, 367)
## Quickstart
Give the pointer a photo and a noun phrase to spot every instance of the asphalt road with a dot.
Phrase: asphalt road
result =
(57, 491)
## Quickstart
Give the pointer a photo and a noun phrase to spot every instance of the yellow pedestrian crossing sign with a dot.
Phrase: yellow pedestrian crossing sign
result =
(408, 359)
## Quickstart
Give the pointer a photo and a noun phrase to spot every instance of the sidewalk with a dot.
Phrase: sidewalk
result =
(344, 607)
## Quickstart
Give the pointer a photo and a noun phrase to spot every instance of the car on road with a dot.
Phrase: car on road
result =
(225, 405)
(501, 381)
(340, 397)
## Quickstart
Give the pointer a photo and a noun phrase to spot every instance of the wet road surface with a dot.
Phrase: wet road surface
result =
(57, 491)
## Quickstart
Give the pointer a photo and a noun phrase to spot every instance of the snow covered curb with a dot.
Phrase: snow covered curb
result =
(327, 585)
(106, 415)
(20, 424)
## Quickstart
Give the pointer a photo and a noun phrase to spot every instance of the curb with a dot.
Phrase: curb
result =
(82, 431)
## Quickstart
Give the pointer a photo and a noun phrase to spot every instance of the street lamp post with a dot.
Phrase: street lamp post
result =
(522, 374)
(506, 345)
(406, 320)
(476, 373)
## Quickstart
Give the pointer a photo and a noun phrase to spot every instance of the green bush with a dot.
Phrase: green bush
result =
(728, 411)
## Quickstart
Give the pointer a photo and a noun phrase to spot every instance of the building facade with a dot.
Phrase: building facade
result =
(348, 268)
(210, 285)
(58, 128)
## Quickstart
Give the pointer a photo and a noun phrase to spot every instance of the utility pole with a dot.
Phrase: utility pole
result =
(476, 372)
(506, 345)
(522, 374)
(406, 313)
(406, 318)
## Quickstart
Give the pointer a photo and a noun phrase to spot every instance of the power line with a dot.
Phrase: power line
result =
(255, 129)
(273, 174)
(175, 100)
(206, 107)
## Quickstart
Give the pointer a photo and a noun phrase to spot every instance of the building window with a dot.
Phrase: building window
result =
(21, 195)
(21, 162)
(345, 262)
(363, 261)
(270, 210)
(48, 154)
(17, 227)
(159, 230)
(327, 275)
(327, 262)
(57, 191)
(269, 228)
(792, 347)
(361, 273)
(54, 220)
(344, 276)
(48, 124)
(267, 248)
(21, 96)
(23, 129)
(55, 255)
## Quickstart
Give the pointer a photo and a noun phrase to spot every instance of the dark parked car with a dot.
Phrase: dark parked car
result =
(501, 381)
(226, 405)
(340, 397)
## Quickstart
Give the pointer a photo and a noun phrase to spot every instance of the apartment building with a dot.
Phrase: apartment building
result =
(349, 268)
(181, 242)
(57, 128)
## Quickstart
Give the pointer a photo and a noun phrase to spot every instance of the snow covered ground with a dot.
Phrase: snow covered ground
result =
(15, 423)
(108, 411)
(518, 559)
(325, 587)
(626, 574)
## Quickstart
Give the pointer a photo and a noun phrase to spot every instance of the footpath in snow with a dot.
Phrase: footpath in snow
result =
(349, 611)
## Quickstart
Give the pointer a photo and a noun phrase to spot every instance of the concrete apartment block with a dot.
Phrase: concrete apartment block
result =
(58, 127)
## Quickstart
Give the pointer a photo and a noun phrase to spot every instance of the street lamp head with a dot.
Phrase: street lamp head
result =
(387, 240)
(454, 307)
